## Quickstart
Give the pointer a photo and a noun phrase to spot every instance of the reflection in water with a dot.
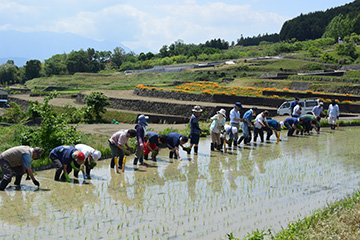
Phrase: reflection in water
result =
(263, 186)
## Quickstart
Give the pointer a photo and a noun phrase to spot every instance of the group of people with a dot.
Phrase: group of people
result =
(16, 161)
(222, 133)
(304, 123)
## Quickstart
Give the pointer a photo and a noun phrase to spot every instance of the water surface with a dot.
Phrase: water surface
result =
(266, 185)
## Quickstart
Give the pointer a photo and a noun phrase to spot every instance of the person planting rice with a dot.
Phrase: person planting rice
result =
(274, 126)
(118, 146)
(140, 139)
(17, 160)
(217, 124)
(291, 124)
(153, 140)
(235, 120)
(174, 140)
(195, 129)
(310, 122)
(318, 111)
(63, 158)
(260, 125)
(333, 113)
(91, 155)
(246, 124)
(227, 131)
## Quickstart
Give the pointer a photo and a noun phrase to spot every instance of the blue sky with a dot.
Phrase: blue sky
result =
(151, 24)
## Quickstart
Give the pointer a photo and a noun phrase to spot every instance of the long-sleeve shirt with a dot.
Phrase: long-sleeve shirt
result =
(333, 110)
(234, 114)
(194, 124)
(248, 115)
(63, 153)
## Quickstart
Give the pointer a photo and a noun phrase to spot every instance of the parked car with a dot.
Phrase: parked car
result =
(307, 106)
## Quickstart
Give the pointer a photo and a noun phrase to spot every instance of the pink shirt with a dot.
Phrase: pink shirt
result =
(119, 137)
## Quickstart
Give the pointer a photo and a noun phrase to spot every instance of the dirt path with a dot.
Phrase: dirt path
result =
(109, 129)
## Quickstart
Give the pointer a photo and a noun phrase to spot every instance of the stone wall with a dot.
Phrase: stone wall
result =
(175, 109)
(216, 98)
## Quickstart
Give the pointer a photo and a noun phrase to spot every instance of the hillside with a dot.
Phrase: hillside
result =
(313, 25)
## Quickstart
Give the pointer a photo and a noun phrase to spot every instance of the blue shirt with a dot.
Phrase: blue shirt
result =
(194, 124)
(248, 115)
(292, 105)
(272, 123)
(291, 121)
(26, 160)
(153, 137)
(63, 153)
(317, 110)
(173, 139)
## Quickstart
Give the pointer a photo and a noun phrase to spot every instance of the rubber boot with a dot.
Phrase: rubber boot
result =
(18, 180)
(212, 147)
(196, 149)
(146, 157)
(171, 154)
(135, 161)
(240, 139)
(112, 163)
(218, 147)
(57, 174)
(4, 184)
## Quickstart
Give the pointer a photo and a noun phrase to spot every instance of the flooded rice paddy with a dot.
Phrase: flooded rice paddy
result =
(266, 185)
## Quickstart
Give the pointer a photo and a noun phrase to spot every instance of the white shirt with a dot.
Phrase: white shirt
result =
(85, 149)
(259, 118)
(234, 114)
(295, 113)
(333, 111)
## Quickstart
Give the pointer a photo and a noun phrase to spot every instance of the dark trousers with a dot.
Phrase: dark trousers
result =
(87, 168)
(269, 132)
(116, 152)
(59, 169)
(290, 129)
(259, 132)
(9, 172)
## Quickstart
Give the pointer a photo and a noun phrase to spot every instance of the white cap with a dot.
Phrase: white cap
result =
(96, 155)
(234, 130)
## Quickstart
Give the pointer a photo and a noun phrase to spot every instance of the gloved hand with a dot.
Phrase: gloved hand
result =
(73, 166)
(67, 177)
(84, 175)
(36, 183)
(141, 145)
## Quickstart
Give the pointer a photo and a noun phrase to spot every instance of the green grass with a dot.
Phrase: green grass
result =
(338, 220)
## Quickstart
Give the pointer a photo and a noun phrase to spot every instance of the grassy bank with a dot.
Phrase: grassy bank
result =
(339, 220)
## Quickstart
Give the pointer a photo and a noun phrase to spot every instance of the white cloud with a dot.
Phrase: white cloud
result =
(150, 25)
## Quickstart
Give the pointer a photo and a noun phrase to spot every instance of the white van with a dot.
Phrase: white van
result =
(307, 106)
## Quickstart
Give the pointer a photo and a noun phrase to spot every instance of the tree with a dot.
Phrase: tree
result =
(77, 61)
(54, 130)
(97, 101)
(32, 69)
(55, 65)
(119, 56)
(339, 27)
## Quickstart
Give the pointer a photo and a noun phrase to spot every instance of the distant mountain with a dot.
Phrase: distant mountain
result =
(23, 46)
(312, 25)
